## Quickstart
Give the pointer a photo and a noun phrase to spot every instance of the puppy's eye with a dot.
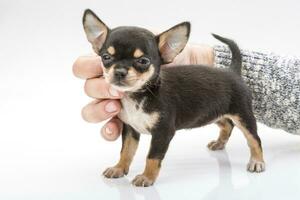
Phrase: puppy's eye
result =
(143, 61)
(106, 57)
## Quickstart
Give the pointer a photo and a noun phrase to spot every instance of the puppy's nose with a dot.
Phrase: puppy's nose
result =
(120, 73)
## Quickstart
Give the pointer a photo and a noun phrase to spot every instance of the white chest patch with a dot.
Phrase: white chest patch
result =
(132, 113)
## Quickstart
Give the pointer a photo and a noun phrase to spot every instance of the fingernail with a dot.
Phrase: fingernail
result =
(108, 131)
(110, 107)
(113, 92)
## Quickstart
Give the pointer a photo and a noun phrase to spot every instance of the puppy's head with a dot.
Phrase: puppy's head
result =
(132, 56)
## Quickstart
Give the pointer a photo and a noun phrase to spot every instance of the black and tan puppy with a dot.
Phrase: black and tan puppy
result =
(159, 101)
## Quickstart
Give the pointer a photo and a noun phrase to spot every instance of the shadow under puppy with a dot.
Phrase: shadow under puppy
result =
(159, 101)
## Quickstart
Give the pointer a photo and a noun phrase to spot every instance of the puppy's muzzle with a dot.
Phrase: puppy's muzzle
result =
(120, 74)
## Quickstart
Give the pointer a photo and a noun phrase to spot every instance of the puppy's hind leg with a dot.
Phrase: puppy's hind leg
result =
(226, 126)
(247, 124)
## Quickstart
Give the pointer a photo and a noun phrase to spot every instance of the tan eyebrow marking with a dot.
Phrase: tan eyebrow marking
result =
(138, 53)
(111, 50)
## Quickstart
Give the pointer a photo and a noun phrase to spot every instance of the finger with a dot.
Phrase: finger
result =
(98, 111)
(87, 67)
(98, 88)
(112, 129)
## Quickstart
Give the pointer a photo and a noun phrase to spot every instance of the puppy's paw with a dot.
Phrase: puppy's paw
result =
(256, 166)
(114, 172)
(216, 145)
(142, 181)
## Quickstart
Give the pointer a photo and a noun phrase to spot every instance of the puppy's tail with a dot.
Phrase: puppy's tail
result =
(236, 61)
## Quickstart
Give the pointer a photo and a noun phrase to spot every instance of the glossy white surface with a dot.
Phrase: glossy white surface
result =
(48, 152)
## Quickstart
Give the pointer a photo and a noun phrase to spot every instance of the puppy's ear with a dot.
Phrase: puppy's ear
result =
(96, 31)
(173, 41)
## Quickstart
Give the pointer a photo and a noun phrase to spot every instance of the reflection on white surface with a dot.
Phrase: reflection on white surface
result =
(126, 191)
(48, 152)
(252, 186)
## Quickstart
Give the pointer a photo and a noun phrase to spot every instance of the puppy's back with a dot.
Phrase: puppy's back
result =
(193, 90)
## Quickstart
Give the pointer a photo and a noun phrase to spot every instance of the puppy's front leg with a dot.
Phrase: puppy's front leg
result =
(130, 140)
(159, 145)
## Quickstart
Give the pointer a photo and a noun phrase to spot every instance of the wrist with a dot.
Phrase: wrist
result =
(202, 54)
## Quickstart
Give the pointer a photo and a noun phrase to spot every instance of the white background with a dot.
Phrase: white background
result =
(48, 152)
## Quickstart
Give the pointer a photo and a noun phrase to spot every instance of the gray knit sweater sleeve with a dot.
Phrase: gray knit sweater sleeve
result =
(275, 84)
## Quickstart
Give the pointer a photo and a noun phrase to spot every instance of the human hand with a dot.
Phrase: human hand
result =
(106, 104)
(195, 54)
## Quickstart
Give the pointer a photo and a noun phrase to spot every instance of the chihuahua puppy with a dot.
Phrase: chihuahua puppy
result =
(158, 101)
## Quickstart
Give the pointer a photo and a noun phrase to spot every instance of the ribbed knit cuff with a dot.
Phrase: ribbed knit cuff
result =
(275, 84)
